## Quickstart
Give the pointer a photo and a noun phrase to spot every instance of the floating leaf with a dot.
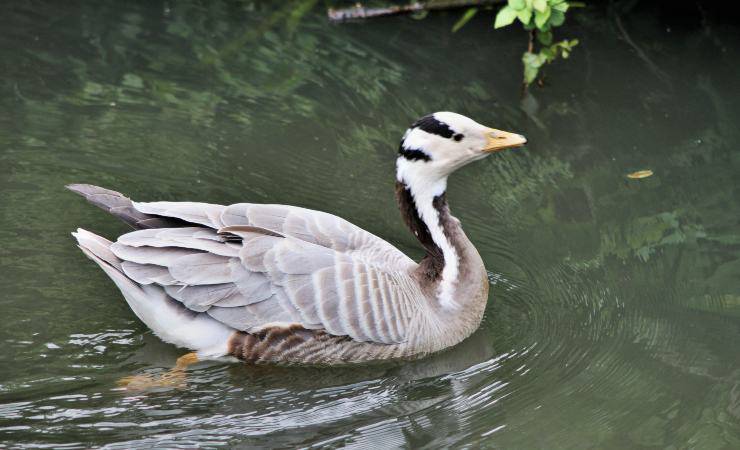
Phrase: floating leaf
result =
(540, 5)
(640, 174)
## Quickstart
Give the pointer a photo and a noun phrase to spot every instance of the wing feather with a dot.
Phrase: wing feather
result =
(188, 237)
(288, 264)
(151, 255)
(194, 212)
(204, 268)
(147, 273)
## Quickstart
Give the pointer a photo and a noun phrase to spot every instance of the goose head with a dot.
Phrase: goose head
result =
(431, 149)
(440, 143)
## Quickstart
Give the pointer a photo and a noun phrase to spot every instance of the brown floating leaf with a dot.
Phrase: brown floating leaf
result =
(640, 174)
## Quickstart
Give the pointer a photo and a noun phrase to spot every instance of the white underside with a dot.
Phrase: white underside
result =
(168, 319)
(175, 324)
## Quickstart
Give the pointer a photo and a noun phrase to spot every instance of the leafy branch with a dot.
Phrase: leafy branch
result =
(539, 17)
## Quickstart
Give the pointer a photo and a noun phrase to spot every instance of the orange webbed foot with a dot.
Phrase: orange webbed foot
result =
(173, 378)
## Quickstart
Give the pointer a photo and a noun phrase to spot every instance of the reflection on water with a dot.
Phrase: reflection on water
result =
(615, 303)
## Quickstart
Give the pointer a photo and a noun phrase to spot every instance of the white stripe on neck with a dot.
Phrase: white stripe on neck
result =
(425, 185)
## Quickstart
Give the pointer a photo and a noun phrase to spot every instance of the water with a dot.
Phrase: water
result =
(614, 316)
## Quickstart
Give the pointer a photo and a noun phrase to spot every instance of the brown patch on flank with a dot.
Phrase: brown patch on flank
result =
(280, 344)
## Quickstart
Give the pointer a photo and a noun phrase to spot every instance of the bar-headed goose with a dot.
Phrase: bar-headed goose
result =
(276, 283)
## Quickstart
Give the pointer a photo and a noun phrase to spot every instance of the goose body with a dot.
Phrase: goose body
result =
(283, 284)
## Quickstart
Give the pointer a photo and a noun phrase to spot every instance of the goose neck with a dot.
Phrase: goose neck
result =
(427, 215)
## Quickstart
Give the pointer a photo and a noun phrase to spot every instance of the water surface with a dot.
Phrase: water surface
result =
(614, 315)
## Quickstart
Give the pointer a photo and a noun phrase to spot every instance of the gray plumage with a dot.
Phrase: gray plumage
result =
(286, 284)
(277, 283)
(354, 296)
(122, 207)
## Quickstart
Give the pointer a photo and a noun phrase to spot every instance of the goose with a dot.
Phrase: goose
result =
(268, 283)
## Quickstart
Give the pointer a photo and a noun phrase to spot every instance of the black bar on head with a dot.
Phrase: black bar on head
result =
(413, 154)
(433, 126)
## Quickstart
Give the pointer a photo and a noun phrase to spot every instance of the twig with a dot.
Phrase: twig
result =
(360, 12)
(530, 49)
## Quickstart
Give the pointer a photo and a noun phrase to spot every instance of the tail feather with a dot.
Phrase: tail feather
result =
(166, 317)
(122, 207)
(96, 247)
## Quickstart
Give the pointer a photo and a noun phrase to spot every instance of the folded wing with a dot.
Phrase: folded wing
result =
(276, 264)
(316, 227)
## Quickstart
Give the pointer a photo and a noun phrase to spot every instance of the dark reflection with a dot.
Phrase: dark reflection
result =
(615, 302)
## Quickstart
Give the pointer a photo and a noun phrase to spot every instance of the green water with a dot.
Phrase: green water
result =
(614, 315)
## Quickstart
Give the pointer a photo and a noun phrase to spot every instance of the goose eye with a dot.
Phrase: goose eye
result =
(458, 137)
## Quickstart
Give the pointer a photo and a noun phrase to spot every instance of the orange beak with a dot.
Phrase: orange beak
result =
(500, 140)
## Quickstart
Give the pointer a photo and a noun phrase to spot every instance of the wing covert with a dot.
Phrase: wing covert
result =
(270, 277)
(316, 227)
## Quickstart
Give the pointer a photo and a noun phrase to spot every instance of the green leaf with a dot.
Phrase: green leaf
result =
(540, 18)
(557, 18)
(549, 52)
(517, 4)
(469, 14)
(562, 7)
(539, 5)
(534, 59)
(530, 73)
(529, 58)
(525, 15)
(504, 17)
(545, 37)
